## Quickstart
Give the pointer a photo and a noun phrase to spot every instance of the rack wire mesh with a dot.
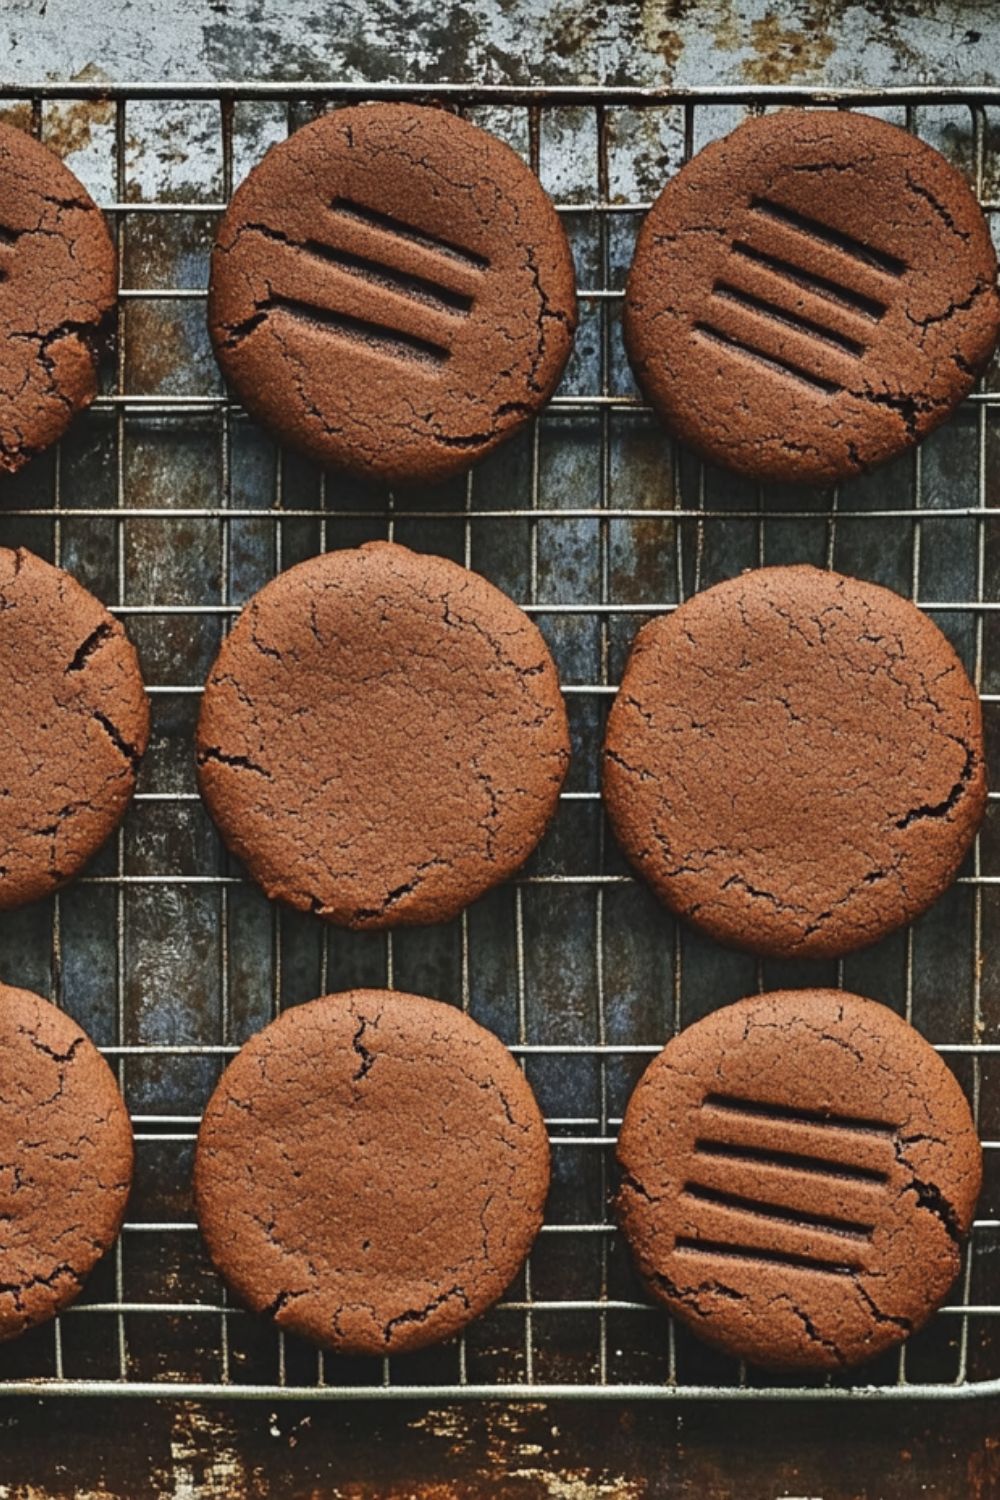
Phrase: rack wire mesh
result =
(169, 504)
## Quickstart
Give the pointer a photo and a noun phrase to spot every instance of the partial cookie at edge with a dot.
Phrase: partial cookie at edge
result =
(65, 1160)
(57, 284)
(74, 727)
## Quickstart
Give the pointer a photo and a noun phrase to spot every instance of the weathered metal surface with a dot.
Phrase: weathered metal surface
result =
(180, 1452)
(687, 42)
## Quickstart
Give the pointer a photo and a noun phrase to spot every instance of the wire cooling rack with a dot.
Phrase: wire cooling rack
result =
(171, 506)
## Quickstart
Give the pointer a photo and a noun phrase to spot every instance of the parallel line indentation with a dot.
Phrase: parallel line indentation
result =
(778, 1213)
(773, 362)
(795, 1161)
(834, 239)
(846, 297)
(788, 1114)
(407, 283)
(797, 322)
(686, 1245)
(362, 331)
(387, 224)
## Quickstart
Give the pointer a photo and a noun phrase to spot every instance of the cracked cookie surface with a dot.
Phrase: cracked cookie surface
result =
(392, 291)
(65, 1159)
(811, 295)
(795, 761)
(75, 723)
(382, 738)
(57, 284)
(371, 1171)
(799, 1171)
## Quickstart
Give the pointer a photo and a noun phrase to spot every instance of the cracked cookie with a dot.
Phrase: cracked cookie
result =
(392, 292)
(371, 1171)
(799, 1171)
(65, 1160)
(382, 737)
(795, 761)
(57, 283)
(811, 296)
(73, 729)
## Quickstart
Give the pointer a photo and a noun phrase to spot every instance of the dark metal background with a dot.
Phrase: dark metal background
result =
(173, 508)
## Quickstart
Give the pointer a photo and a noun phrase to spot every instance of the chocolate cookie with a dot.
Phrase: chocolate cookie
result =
(795, 761)
(382, 737)
(392, 292)
(57, 283)
(799, 1171)
(811, 296)
(65, 1160)
(371, 1171)
(75, 722)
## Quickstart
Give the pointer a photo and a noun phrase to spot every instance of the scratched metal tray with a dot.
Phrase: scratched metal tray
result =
(174, 508)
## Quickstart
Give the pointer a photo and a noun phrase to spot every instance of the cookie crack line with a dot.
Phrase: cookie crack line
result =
(930, 1197)
(128, 751)
(812, 1332)
(943, 808)
(210, 753)
(17, 1289)
(366, 1055)
(421, 1314)
(90, 645)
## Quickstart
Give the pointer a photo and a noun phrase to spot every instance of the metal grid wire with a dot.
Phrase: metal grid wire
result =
(170, 505)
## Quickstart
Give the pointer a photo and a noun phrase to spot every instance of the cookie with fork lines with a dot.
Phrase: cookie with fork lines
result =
(799, 1171)
(392, 291)
(811, 296)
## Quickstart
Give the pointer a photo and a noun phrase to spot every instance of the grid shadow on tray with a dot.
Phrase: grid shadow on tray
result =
(167, 503)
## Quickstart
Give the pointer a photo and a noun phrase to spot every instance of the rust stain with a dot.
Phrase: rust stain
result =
(203, 1461)
(17, 115)
(577, 1485)
(983, 1471)
(447, 1424)
(663, 41)
(405, 1490)
(69, 127)
(783, 54)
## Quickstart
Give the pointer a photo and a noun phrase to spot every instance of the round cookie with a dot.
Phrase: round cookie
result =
(382, 738)
(795, 761)
(74, 725)
(57, 283)
(811, 296)
(798, 1173)
(371, 1171)
(65, 1160)
(392, 291)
